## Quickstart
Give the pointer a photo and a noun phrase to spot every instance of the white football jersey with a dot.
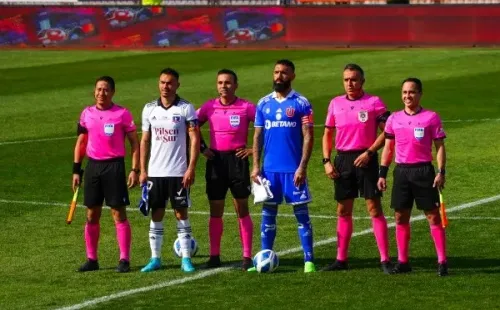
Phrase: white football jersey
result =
(169, 138)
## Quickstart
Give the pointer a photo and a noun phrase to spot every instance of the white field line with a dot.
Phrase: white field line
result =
(207, 273)
(204, 129)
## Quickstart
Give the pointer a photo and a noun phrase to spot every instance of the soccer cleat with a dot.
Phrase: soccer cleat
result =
(214, 261)
(386, 267)
(309, 267)
(123, 266)
(247, 263)
(252, 269)
(154, 264)
(401, 268)
(186, 265)
(337, 265)
(90, 265)
(443, 269)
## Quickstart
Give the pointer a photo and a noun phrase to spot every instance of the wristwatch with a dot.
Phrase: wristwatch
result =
(326, 160)
(370, 153)
(442, 171)
(136, 171)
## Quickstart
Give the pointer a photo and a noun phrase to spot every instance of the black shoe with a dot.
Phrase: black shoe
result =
(214, 262)
(247, 263)
(123, 266)
(401, 268)
(90, 265)
(443, 269)
(386, 267)
(337, 265)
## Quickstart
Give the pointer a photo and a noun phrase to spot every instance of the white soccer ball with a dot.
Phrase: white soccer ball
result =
(266, 261)
(193, 248)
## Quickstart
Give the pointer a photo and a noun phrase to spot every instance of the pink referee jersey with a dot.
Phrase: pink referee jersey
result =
(355, 121)
(228, 123)
(414, 134)
(106, 131)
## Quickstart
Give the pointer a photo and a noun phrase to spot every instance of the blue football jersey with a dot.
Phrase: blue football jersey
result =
(282, 121)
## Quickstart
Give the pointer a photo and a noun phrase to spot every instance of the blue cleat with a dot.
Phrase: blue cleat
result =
(154, 264)
(186, 265)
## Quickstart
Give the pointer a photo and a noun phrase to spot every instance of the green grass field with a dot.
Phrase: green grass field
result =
(43, 92)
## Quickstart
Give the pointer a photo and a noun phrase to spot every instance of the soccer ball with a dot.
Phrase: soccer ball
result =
(266, 261)
(177, 247)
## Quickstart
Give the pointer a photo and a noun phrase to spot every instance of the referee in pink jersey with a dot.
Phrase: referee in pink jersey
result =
(106, 125)
(227, 165)
(412, 131)
(354, 119)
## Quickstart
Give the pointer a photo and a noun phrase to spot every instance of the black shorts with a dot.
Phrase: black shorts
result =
(355, 182)
(163, 189)
(227, 171)
(105, 180)
(414, 183)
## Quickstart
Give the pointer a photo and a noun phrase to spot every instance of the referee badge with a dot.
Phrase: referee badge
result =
(234, 120)
(418, 132)
(363, 116)
(109, 129)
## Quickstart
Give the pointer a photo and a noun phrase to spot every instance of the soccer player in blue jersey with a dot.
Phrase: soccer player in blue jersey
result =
(284, 132)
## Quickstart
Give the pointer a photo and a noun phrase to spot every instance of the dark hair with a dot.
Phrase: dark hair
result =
(230, 72)
(416, 81)
(286, 62)
(107, 79)
(170, 71)
(355, 67)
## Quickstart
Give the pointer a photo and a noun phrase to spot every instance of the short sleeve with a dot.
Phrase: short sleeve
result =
(146, 125)
(389, 130)
(306, 112)
(259, 116)
(330, 115)
(202, 114)
(437, 128)
(128, 121)
(251, 111)
(191, 117)
(83, 119)
(381, 112)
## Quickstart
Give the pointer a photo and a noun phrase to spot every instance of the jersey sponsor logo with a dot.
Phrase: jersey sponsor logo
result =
(109, 129)
(273, 124)
(166, 135)
(363, 116)
(419, 133)
(290, 112)
(234, 120)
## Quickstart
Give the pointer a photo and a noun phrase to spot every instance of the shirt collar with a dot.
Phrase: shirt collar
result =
(290, 94)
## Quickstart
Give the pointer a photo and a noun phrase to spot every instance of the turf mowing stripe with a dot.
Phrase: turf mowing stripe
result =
(205, 129)
(207, 273)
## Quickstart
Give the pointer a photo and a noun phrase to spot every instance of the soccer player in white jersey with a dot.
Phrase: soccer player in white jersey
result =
(166, 122)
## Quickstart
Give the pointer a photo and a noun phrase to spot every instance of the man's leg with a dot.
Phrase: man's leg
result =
(215, 231)
(380, 230)
(92, 232)
(124, 237)
(246, 230)
(184, 232)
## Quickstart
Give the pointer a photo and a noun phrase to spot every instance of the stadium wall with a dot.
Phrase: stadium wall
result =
(262, 27)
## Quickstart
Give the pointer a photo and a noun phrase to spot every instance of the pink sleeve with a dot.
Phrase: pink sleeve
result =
(330, 116)
(201, 113)
(388, 125)
(83, 117)
(381, 110)
(128, 121)
(251, 111)
(437, 128)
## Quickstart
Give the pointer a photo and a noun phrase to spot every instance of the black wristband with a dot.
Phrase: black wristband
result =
(382, 173)
(442, 171)
(203, 146)
(77, 168)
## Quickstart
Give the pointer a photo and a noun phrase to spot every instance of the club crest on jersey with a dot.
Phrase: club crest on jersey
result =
(109, 129)
(176, 118)
(418, 133)
(363, 116)
(234, 120)
(290, 111)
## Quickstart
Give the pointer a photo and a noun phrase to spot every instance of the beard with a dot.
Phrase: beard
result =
(281, 86)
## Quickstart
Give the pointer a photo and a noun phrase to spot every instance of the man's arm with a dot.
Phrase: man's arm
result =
(387, 153)
(440, 154)
(379, 142)
(257, 147)
(80, 148)
(327, 144)
(194, 136)
(308, 134)
(134, 145)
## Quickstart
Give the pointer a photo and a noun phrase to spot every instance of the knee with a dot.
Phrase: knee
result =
(93, 215)
(216, 208)
(402, 218)
(433, 218)
(374, 208)
(344, 209)
(119, 214)
(241, 207)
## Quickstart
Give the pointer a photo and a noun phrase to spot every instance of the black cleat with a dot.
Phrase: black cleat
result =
(247, 263)
(401, 268)
(123, 266)
(443, 269)
(337, 265)
(386, 267)
(90, 265)
(214, 262)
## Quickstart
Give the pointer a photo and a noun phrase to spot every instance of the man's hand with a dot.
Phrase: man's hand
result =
(76, 181)
(243, 152)
(362, 160)
(300, 176)
(143, 178)
(208, 153)
(439, 181)
(133, 179)
(255, 175)
(188, 178)
(382, 184)
(330, 171)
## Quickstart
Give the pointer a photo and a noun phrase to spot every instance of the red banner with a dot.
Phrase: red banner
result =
(243, 26)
